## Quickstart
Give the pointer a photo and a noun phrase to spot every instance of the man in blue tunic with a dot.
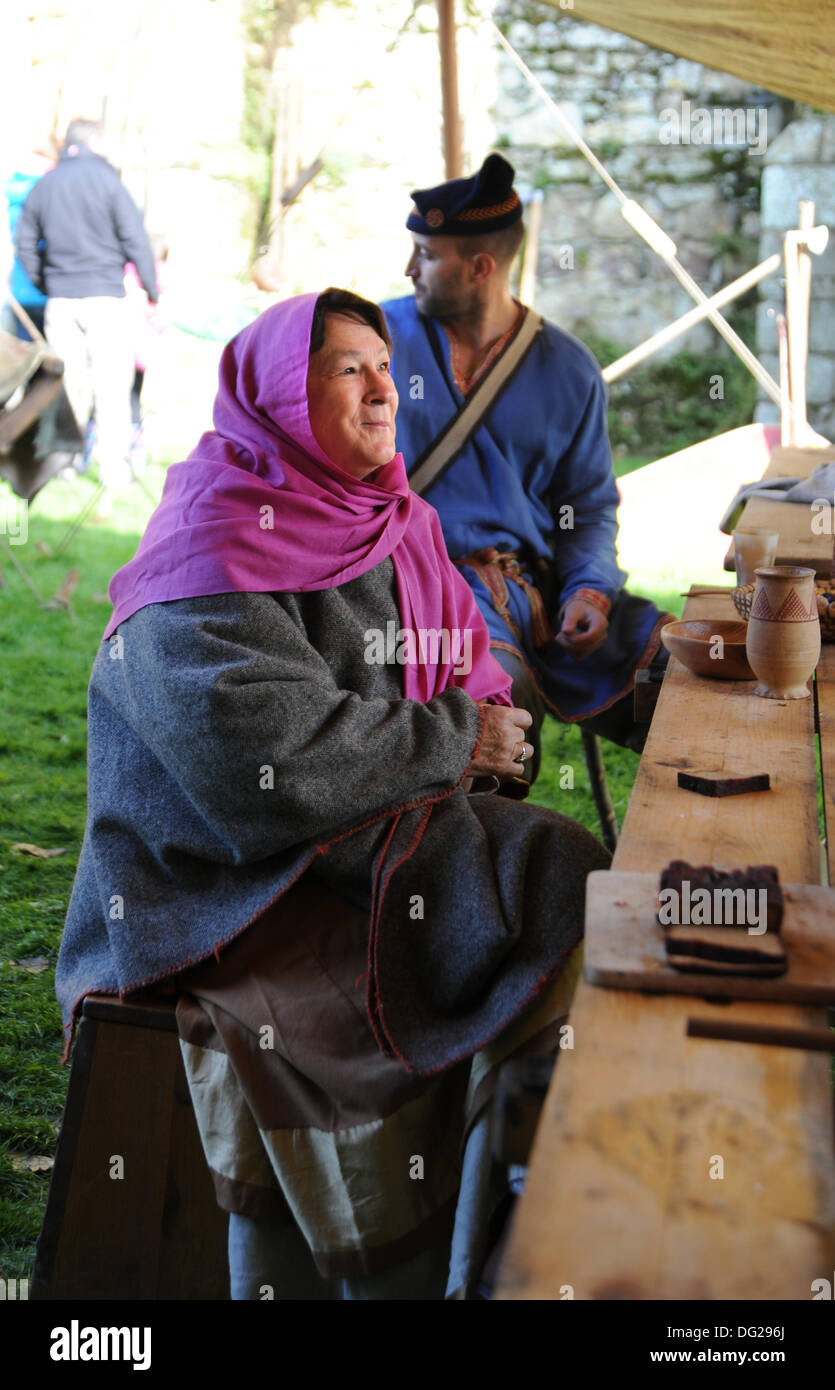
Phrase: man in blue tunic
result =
(503, 427)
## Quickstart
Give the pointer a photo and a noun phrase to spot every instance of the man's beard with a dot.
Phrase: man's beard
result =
(437, 304)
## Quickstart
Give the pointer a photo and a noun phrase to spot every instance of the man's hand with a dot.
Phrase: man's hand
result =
(502, 742)
(584, 628)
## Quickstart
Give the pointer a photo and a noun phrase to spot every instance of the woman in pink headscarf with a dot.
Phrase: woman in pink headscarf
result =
(291, 717)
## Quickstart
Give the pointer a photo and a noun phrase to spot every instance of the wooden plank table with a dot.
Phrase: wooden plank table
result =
(825, 698)
(619, 1201)
(799, 544)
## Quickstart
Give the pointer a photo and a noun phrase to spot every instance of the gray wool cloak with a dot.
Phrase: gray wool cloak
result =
(239, 740)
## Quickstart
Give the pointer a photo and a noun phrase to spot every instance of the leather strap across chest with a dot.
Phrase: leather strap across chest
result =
(446, 446)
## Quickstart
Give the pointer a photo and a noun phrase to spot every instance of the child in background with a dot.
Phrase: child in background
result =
(149, 325)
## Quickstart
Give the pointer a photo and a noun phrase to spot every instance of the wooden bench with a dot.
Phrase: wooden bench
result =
(155, 1231)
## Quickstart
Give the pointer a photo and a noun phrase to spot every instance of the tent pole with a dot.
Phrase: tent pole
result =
(798, 275)
(453, 159)
(786, 409)
(527, 282)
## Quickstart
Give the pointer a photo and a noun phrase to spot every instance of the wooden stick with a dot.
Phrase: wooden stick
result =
(805, 222)
(69, 584)
(797, 370)
(699, 589)
(291, 193)
(809, 1039)
(798, 270)
(681, 325)
(730, 335)
(786, 421)
(80, 519)
(21, 571)
(18, 310)
(527, 282)
(447, 42)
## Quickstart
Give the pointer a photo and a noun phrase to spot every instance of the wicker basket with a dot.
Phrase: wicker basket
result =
(743, 597)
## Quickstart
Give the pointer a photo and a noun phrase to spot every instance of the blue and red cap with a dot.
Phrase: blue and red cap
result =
(485, 202)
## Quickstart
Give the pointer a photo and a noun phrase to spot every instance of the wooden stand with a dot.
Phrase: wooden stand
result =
(147, 1227)
(600, 788)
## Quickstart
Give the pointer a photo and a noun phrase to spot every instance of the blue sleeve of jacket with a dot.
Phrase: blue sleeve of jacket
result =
(584, 503)
(28, 241)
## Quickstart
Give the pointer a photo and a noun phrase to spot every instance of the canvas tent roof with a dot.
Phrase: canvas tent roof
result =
(785, 46)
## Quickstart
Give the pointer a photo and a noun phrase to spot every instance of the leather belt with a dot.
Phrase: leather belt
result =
(494, 568)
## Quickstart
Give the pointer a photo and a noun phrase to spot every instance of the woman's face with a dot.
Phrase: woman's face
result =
(352, 400)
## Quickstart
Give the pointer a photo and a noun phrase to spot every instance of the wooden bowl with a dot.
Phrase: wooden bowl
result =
(691, 643)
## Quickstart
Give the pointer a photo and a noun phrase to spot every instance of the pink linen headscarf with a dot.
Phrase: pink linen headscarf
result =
(259, 507)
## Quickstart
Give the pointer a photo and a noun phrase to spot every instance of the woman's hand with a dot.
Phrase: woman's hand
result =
(502, 742)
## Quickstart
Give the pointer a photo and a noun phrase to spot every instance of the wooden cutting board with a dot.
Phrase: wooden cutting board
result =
(625, 944)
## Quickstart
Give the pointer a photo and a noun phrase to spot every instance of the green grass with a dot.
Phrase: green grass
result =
(47, 656)
(562, 749)
(630, 462)
(46, 661)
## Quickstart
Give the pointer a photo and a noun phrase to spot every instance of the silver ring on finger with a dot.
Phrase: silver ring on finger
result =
(523, 756)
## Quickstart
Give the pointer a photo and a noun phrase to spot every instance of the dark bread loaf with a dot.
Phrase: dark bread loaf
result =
(755, 877)
(721, 931)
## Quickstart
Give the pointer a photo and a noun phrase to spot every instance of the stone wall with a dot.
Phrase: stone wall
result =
(692, 146)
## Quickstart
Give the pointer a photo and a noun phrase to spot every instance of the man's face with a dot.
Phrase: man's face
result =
(442, 279)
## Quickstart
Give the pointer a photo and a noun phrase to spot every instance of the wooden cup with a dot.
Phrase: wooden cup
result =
(783, 641)
(753, 546)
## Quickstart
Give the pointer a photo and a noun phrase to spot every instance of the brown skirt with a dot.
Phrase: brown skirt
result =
(302, 1117)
